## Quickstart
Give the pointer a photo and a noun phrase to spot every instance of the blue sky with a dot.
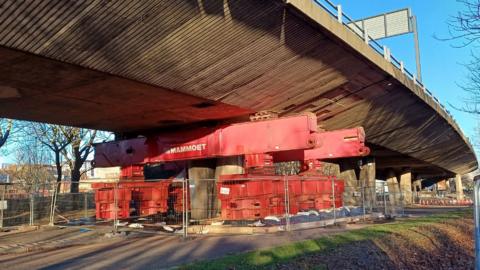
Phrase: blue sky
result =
(442, 68)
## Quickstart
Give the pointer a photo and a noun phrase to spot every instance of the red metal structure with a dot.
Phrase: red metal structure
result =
(257, 192)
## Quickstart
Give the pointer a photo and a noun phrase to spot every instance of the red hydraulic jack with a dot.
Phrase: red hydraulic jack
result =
(254, 194)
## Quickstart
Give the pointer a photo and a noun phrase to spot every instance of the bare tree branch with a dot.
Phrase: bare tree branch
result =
(464, 27)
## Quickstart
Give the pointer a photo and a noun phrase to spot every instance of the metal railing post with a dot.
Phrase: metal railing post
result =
(476, 195)
(339, 13)
(386, 53)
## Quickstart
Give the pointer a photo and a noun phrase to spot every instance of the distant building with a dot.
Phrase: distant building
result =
(4, 178)
(5, 165)
(28, 179)
(97, 175)
(41, 179)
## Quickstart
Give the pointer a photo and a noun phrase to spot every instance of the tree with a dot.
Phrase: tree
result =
(5, 128)
(32, 170)
(54, 137)
(80, 149)
(71, 144)
(464, 28)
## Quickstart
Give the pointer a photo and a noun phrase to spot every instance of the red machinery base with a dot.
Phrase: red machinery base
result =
(137, 198)
(245, 197)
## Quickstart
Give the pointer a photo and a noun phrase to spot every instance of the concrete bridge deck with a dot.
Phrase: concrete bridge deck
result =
(131, 66)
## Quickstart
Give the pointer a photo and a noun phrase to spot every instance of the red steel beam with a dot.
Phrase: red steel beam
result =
(269, 136)
(342, 143)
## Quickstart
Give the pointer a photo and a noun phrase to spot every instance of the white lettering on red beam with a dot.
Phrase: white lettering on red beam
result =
(187, 148)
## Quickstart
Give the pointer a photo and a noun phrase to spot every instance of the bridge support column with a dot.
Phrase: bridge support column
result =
(447, 185)
(367, 180)
(417, 187)
(201, 174)
(229, 165)
(393, 193)
(225, 166)
(349, 176)
(459, 186)
(406, 186)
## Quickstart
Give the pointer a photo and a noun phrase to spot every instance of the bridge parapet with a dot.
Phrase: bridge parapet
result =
(308, 7)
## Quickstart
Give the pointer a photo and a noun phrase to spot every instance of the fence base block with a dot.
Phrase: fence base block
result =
(226, 229)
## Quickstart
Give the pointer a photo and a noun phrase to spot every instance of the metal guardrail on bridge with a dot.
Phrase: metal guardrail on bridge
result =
(337, 12)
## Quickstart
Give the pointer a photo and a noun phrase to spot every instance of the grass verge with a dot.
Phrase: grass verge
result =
(265, 258)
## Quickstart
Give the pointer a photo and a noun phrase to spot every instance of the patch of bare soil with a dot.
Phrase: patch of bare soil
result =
(444, 245)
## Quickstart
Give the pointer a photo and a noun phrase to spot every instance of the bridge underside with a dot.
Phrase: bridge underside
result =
(131, 67)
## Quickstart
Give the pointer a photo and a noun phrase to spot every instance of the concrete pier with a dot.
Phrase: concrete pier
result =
(201, 174)
(229, 165)
(349, 175)
(406, 186)
(459, 187)
(394, 194)
(367, 180)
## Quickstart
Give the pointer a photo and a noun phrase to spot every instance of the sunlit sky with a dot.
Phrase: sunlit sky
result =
(442, 63)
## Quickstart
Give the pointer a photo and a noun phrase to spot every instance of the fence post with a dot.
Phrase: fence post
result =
(333, 198)
(384, 200)
(183, 208)
(185, 187)
(53, 203)
(50, 223)
(363, 198)
(287, 203)
(85, 204)
(1, 208)
(115, 208)
(31, 209)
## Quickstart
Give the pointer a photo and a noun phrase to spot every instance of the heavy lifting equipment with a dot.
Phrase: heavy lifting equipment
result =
(253, 192)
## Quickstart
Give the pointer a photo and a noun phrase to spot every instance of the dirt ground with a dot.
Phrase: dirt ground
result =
(445, 245)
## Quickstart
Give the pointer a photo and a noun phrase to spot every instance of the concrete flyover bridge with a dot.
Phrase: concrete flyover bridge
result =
(134, 66)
